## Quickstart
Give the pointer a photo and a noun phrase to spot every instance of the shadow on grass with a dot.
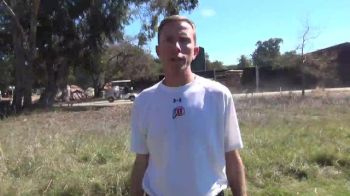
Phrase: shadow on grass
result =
(325, 159)
(36, 109)
(296, 173)
(78, 108)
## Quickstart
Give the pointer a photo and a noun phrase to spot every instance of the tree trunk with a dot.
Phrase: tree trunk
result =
(302, 69)
(28, 84)
(62, 70)
(31, 54)
(19, 70)
(302, 82)
(47, 99)
(98, 82)
(57, 77)
(24, 48)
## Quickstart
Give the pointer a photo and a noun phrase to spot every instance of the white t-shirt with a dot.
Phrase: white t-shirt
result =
(186, 131)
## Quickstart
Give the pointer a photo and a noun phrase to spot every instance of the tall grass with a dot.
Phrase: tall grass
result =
(293, 146)
(66, 153)
(296, 146)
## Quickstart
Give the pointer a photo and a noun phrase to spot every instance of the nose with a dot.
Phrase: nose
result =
(177, 47)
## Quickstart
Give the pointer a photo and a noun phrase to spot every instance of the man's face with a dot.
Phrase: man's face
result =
(176, 48)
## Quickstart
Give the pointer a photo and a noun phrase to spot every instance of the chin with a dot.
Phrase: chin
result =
(185, 67)
(182, 67)
(175, 69)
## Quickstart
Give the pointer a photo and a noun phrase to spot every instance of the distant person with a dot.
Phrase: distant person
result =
(184, 129)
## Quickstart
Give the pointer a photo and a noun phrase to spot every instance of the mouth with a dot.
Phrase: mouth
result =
(177, 59)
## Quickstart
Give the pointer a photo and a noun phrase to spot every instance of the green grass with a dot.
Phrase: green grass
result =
(296, 146)
(66, 153)
(293, 146)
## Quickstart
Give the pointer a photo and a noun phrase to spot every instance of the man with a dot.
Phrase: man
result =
(184, 129)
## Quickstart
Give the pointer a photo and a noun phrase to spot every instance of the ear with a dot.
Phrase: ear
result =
(157, 50)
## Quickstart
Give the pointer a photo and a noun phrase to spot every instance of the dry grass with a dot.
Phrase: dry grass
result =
(66, 152)
(296, 145)
(293, 146)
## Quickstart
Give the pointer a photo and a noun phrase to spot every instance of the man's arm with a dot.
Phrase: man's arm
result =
(235, 173)
(138, 171)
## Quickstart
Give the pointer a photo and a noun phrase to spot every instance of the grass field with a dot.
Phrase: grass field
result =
(293, 146)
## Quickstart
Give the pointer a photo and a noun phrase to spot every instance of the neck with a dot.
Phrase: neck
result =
(176, 80)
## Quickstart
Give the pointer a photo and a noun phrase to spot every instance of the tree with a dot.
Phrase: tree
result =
(244, 62)
(6, 71)
(215, 65)
(266, 54)
(74, 34)
(92, 24)
(150, 12)
(23, 26)
(212, 65)
(306, 36)
(289, 59)
(6, 53)
(127, 61)
(50, 36)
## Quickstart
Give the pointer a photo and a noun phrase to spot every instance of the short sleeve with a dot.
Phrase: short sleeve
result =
(138, 130)
(233, 138)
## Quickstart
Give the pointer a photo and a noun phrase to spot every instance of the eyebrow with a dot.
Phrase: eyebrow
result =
(183, 33)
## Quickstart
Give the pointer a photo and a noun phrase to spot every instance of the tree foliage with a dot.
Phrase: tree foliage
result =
(6, 52)
(244, 62)
(211, 65)
(217, 65)
(288, 59)
(20, 18)
(127, 61)
(6, 71)
(267, 52)
(150, 12)
(51, 36)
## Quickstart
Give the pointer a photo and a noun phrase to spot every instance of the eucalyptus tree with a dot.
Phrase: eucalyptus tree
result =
(49, 36)
(6, 71)
(23, 25)
(6, 53)
(127, 61)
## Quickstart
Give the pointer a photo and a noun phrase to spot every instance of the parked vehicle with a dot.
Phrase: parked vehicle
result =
(119, 89)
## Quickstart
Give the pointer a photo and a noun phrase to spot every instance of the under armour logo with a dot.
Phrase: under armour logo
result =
(177, 100)
(178, 111)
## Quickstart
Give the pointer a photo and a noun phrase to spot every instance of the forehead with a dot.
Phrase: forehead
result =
(177, 27)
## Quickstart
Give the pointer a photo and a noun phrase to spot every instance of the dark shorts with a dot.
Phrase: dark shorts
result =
(220, 194)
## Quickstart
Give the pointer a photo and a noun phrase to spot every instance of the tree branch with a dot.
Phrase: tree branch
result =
(33, 28)
(14, 17)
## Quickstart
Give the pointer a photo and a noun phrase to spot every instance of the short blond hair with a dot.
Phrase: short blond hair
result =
(174, 18)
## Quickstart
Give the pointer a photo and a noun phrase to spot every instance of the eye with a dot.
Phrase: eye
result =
(169, 39)
(184, 40)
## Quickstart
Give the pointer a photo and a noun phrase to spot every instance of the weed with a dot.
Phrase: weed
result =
(293, 146)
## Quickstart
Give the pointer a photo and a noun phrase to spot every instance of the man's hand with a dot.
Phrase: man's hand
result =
(138, 171)
(235, 173)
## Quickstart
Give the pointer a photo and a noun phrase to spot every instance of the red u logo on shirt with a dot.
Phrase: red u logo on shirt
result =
(178, 111)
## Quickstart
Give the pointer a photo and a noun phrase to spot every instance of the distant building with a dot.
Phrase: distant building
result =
(340, 60)
(198, 64)
(337, 70)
